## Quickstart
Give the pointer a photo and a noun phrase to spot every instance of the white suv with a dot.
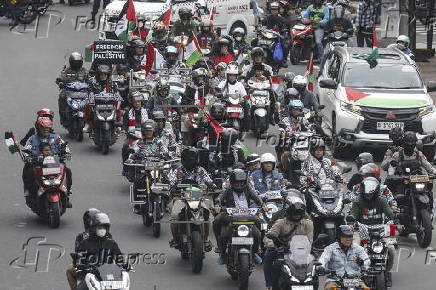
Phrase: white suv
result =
(362, 103)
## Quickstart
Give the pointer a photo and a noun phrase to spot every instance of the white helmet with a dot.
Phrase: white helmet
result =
(267, 157)
(239, 30)
(232, 69)
(299, 80)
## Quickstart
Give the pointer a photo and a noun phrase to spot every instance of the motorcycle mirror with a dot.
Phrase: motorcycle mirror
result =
(393, 163)
(328, 84)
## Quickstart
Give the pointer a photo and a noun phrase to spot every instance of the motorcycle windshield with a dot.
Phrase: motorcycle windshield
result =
(299, 256)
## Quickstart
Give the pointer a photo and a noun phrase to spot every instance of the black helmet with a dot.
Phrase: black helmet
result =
(396, 135)
(201, 64)
(158, 115)
(104, 68)
(296, 208)
(87, 217)
(136, 96)
(345, 231)
(189, 158)
(138, 43)
(185, 13)
(258, 66)
(257, 51)
(316, 143)
(370, 186)
(238, 180)
(218, 111)
(410, 137)
(76, 61)
(148, 125)
(364, 158)
(274, 5)
(229, 136)
(252, 158)
(99, 219)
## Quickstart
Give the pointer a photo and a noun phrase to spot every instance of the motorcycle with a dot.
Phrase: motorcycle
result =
(234, 110)
(26, 11)
(298, 267)
(239, 248)
(274, 202)
(336, 38)
(190, 224)
(349, 282)
(76, 94)
(302, 44)
(260, 105)
(414, 201)
(52, 197)
(149, 190)
(105, 116)
(268, 39)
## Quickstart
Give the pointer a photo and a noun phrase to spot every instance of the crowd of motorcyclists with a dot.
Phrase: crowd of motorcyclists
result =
(196, 136)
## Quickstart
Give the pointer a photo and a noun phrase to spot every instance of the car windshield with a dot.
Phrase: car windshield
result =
(385, 76)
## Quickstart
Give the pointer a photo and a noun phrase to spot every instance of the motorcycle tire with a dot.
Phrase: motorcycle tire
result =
(380, 281)
(27, 15)
(295, 54)
(424, 237)
(156, 223)
(54, 215)
(79, 136)
(339, 151)
(147, 220)
(197, 252)
(244, 271)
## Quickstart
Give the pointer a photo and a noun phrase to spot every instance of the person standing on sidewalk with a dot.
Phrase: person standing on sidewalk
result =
(365, 21)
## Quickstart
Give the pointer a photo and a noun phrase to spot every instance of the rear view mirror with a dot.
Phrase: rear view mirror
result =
(328, 84)
(431, 86)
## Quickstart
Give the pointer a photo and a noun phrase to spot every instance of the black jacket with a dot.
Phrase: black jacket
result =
(105, 249)
(226, 198)
(309, 100)
(274, 20)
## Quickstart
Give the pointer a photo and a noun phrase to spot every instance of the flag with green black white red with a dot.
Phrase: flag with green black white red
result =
(192, 52)
(127, 21)
(89, 49)
(10, 142)
(309, 73)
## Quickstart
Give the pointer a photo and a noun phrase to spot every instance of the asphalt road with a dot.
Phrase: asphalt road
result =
(29, 66)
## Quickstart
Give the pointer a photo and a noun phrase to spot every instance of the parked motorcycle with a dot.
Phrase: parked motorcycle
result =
(25, 11)
(302, 45)
(239, 248)
(260, 105)
(105, 116)
(414, 198)
(76, 94)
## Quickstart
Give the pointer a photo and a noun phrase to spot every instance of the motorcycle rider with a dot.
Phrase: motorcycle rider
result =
(32, 150)
(267, 178)
(402, 44)
(166, 134)
(160, 98)
(160, 37)
(362, 159)
(185, 25)
(282, 231)
(396, 135)
(252, 163)
(199, 88)
(225, 52)
(370, 210)
(307, 97)
(319, 16)
(74, 73)
(220, 74)
(171, 59)
(206, 37)
(136, 56)
(342, 257)
(189, 170)
(228, 153)
(240, 196)
(239, 41)
(318, 167)
(257, 56)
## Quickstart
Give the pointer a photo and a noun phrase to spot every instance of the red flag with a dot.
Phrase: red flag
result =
(212, 13)
(150, 58)
(131, 14)
(166, 17)
(309, 73)
(374, 37)
(355, 95)
(216, 126)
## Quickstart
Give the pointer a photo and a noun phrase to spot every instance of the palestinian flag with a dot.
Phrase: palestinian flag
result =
(192, 52)
(10, 142)
(310, 76)
(89, 50)
(127, 21)
(154, 58)
(212, 14)
(165, 18)
(244, 148)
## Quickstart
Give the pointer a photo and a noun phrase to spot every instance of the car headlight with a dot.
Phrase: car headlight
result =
(426, 110)
(243, 231)
(377, 247)
(420, 186)
(351, 108)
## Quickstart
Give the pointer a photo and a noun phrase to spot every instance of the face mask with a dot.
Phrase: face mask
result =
(101, 233)
(238, 38)
(408, 149)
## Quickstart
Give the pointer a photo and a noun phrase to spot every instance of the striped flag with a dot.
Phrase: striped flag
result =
(165, 18)
(10, 142)
(127, 22)
(310, 76)
(192, 52)
(212, 13)
(154, 58)
(89, 50)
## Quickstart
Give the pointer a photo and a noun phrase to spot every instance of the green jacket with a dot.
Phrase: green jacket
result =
(370, 212)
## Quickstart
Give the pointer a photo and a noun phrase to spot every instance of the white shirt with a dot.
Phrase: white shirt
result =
(236, 88)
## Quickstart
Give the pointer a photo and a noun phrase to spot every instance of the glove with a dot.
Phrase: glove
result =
(320, 270)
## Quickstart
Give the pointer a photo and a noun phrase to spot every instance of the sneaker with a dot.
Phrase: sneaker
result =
(222, 260)
(257, 259)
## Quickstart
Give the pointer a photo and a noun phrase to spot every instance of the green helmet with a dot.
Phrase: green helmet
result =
(403, 38)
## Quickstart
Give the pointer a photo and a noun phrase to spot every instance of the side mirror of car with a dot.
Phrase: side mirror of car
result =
(431, 86)
(328, 84)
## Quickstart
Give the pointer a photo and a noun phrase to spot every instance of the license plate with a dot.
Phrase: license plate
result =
(309, 287)
(234, 109)
(386, 126)
(351, 282)
(419, 178)
(242, 240)
(112, 284)
(51, 171)
(378, 256)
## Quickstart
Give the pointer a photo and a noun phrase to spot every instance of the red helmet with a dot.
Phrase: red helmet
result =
(45, 113)
(44, 122)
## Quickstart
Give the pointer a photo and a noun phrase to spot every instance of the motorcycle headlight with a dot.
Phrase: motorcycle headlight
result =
(426, 110)
(69, 100)
(243, 231)
(419, 186)
(377, 247)
(52, 182)
(351, 108)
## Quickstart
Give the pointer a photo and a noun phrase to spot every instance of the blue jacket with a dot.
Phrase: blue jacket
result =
(53, 139)
(258, 183)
